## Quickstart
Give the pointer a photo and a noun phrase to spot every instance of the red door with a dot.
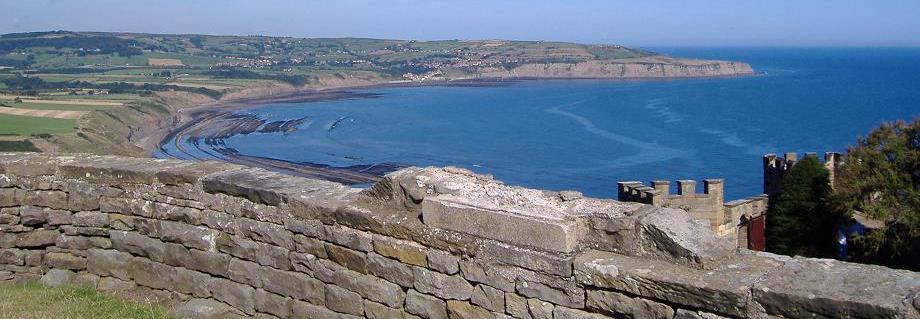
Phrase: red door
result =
(756, 238)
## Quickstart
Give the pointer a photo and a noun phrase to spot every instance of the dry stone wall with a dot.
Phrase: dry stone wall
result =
(217, 240)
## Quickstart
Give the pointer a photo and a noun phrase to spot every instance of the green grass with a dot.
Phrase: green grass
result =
(27, 125)
(61, 107)
(33, 301)
(17, 146)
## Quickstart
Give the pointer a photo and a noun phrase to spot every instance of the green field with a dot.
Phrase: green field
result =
(60, 107)
(33, 301)
(27, 125)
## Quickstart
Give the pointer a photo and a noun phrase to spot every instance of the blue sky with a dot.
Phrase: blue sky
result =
(633, 22)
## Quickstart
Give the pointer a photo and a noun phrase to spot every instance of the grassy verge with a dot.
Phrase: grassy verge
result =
(27, 125)
(33, 301)
(59, 107)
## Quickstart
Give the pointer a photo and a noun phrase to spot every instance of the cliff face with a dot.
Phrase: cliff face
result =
(651, 67)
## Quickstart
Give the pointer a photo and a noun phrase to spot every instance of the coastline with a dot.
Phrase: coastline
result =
(192, 119)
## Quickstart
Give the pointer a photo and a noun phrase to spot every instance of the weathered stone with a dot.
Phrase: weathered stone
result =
(443, 262)
(793, 289)
(91, 219)
(620, 305)
(209, 262)
(516, 306)
(567, 313)
(404, 251)
(311, 228)
(9, 219)
(177, 255)
(304, 310)
(239, 296)
(85, 231)
(246, 272)
(8, 240)
(496, 276)
(725, 289)
(687, 314)
(206, 309)
(65, 261)
(554, 233)
(550, 263)
(151, 274)
(137, 244)
(342, 300)
(127, 206)
(350, 238)
(108, 263)
(262, 186)
(85, 196)
(12, 257)
(50, 199)
(373, 310)
(74, 242)
(8, 197)
(464, 310)
(267, 233)
(59, 217)
(261, 253)
(32, 216)
(271, 303)
(441, 285)
(121, 222)
(489, 298)
(186, 215)
(191, 236)
(37, 238)
(391, 270)
(573, 297)
(112, 284)
(351, 259)
(309, 245)
(57, 277)
(191, 282)
(34, 257)
(540, 309)
(425, 306)
(304, 263)
(295, 285)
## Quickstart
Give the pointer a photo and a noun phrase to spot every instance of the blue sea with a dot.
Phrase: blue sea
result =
(587, 135)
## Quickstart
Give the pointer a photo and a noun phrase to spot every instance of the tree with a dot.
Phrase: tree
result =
(881, 179)
(800, 223)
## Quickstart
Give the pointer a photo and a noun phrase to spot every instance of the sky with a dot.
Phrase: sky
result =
(644, 23)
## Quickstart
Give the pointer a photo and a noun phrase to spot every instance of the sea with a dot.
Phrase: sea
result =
(587, 135)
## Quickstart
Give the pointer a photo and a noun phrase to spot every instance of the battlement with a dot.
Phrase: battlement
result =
(660, 191)
(774, 167)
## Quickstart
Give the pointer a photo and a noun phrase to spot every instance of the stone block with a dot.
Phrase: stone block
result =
(267, 302)
(544, 231)
(351, 259)
(405, 251)
(540, 309)
(191, 282)
(90, 219)
(137, 244)
(266, 232)
(347, 237)
(246, 272)
(57, 277)
(568, 313)
(310, 245)
(8, 197)
(239, 296)
(304, 310)
(59, 217)
(464, 310)
(194, 172)
(489, 298)
(127, 206)
(571, 296)
(191, 236)
(111, 263)
(373, 310)
(50, 199)
(209, 262)
(342, 300)
(391, 270)
(33, 216)
(291, 284)
(220, 221)
(151, 274)
(261, 253)
(443, 262)
(516, 306)
(12, 257)
(206, 309)
(623, 306)
(804, 287)
(38, 238)
(425, 306)
(65, 261)
(309, 227)
(181, 214)
(112, 284)
(441, 285)
(304, 263)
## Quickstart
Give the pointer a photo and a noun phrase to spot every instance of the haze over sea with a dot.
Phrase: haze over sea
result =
(587, 135)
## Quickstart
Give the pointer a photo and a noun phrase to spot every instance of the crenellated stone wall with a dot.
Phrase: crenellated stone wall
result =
(216, 240)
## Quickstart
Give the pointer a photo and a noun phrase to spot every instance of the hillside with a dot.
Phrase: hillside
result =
(137, 83)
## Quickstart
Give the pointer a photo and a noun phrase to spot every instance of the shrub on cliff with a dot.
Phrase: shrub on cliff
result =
(800, 223)
(882, 180)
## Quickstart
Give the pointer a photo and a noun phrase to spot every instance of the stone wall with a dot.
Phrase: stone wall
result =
(207, 238)
(707, 207)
